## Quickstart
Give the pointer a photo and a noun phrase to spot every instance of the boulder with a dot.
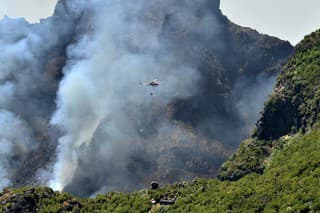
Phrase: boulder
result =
(154, 185)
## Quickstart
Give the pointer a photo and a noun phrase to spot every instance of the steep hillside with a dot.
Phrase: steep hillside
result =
(280, 174)
(293, 107)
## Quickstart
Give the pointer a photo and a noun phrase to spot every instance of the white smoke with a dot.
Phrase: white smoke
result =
(103, 74)
(26, 87)
(16, 79)
(251, 98)
(16, 141)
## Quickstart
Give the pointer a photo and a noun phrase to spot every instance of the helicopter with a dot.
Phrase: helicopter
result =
(153, 83)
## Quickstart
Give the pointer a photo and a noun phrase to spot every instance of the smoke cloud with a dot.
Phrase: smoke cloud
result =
(16, 141)
(102, 81)
(72, 86)
(30, 61)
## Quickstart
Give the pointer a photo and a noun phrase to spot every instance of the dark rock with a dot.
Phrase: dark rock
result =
(154, 185)
(279, 118)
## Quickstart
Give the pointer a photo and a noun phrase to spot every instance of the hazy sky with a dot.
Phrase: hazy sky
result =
(286, 19)
(32, 10)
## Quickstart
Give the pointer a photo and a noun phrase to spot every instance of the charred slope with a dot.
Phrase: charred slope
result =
(231, 64)
(208, 124)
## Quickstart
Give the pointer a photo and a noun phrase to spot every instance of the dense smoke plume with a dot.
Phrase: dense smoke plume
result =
(71, 86)
(31, 57)
(16, 141)
(102, 81)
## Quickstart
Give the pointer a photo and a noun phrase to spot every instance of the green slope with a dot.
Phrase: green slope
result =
(277, 170)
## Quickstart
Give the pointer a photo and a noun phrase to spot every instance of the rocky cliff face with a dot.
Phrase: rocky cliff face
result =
(294, 106)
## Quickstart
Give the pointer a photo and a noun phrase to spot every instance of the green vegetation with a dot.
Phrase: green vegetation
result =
(302, 79)
(44, 199)
(253, 155)
(289, 183)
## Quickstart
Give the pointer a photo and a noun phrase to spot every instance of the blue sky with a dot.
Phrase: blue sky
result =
(286, 19)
